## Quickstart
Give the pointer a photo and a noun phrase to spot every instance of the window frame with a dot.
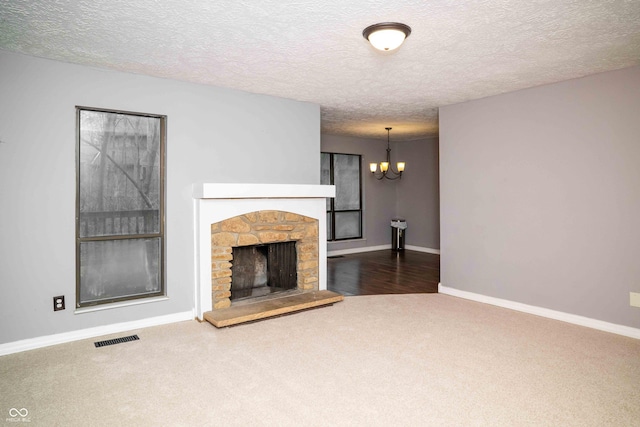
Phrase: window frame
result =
(331, 223)
(159, 235)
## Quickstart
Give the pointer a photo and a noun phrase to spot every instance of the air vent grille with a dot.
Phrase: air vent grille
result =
(116, 341)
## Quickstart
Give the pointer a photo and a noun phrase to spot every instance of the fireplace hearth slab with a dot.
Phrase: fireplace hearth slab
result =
(269, 308)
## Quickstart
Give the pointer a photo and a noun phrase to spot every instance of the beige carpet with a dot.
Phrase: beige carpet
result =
(407, 360)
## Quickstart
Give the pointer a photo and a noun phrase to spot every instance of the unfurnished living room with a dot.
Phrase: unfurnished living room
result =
(297, 213)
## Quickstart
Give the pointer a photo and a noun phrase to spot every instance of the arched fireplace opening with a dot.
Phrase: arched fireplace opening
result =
(261, 270)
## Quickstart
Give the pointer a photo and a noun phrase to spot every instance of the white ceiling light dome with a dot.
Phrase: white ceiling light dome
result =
(386, 35)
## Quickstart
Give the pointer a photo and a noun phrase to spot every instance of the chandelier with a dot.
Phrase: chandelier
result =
(386, 169)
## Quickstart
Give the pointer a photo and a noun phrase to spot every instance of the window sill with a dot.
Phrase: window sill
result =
(102, 307)
(361, 239)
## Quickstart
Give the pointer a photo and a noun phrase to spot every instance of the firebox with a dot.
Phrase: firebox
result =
(259, 270)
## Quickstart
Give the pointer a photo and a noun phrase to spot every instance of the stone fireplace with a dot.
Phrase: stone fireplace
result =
(229, 216)
(255, 229)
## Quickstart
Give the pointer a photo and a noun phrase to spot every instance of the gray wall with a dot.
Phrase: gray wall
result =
(418, 199)
(540, 196)
(414, 197)
(214, 135)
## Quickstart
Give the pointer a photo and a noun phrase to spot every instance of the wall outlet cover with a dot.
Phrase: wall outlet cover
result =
(58, 303)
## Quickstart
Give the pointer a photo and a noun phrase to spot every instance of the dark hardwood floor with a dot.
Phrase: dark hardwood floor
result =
(384, 272)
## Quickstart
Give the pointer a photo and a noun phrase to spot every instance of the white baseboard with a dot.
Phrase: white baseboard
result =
(358, 250)
(380, 248)
(600, 325)
(421, 249)
(46, 341)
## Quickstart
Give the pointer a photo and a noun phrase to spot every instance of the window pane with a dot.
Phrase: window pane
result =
(325, 169)
(344, 212)
(347, 225)
(347, 181)
(119, 174)
(120, 193)
(325, 173)
(119, 268)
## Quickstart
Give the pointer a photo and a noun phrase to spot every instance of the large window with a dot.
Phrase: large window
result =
(119, 206)
(344, 212)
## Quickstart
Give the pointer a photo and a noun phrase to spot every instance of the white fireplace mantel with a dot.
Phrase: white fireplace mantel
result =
(215, 202)
(261, 191)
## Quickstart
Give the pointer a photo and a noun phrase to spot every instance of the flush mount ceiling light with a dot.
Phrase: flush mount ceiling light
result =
(386, 35)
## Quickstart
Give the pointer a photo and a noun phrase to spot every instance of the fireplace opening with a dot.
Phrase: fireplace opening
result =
(260, 270)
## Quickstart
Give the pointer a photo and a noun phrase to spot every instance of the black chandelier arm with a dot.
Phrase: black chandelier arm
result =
(395, 172)
(386, 175)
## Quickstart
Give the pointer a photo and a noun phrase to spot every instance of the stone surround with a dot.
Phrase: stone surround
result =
(261, 227)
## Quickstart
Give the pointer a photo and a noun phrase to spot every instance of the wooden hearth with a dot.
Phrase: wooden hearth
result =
(263, 309)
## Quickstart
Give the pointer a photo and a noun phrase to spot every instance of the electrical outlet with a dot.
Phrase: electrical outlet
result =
(58, 303)
(634, 299)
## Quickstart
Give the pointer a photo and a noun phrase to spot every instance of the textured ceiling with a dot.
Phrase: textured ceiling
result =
(313, 51)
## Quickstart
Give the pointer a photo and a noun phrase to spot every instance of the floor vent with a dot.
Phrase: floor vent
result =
(116, 341)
